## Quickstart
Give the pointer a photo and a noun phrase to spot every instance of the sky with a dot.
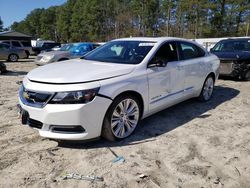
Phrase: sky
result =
(17, 10)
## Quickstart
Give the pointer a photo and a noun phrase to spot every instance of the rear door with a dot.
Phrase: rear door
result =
(193, 62)
(165, 83)
(4, 51)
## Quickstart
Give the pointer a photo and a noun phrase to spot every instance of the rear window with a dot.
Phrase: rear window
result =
(190, 51)
(6, 42)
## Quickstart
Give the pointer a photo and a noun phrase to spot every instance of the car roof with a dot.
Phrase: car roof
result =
(234, 39)
(151, 39)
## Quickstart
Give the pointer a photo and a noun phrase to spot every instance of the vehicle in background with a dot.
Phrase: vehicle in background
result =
(45, 45)
(25, 45)
(2, 68)
(107, 92)
(234, 55)
(68, 51)
(11, 53)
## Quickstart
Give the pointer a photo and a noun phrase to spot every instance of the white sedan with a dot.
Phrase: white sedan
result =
(108, 91)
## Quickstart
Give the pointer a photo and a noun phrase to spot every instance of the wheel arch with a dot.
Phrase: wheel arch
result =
(135, 94)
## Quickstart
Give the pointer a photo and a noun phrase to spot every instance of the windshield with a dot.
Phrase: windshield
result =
(75, 47)
(233, 45)
(66, 47)
(124, 52)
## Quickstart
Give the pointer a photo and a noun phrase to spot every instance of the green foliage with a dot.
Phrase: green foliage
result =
(95, 20)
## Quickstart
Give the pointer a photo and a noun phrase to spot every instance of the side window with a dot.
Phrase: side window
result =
(16, 44)
(7, 42)
(4, 46)
(190, 51)
(167, 52)
(26, 43)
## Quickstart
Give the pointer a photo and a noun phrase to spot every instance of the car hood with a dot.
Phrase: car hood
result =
(78, 71)
(241, 55)
(54, 53)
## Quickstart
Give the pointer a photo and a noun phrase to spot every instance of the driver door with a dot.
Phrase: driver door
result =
(166, 78)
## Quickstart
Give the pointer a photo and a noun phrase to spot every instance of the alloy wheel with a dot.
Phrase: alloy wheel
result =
(208, 88)
(125, 118)
(13, 58)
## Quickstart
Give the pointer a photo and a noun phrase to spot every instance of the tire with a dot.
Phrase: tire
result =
(247, 76)
(27, 54)
(13, 58)
(117, 123)
(207, 89)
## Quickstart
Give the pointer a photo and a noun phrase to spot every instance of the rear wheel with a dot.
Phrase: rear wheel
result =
(121, 118)
(207, 90)
(13, 57)
(27, 54)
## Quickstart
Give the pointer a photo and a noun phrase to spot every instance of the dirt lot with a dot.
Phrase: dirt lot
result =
(189, 145)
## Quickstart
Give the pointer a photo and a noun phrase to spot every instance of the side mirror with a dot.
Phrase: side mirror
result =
(212, 49)
(157, 63)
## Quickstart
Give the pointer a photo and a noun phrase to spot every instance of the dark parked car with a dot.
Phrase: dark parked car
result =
(234, 55)
(45, 46)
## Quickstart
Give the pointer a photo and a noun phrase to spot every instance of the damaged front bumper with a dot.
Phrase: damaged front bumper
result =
(234, 68)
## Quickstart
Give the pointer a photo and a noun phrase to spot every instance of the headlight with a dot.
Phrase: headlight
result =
(47, 58)
(74, 97)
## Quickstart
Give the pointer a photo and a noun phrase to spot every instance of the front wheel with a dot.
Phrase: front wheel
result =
(207, 90)
(121, 118)
(13, 58)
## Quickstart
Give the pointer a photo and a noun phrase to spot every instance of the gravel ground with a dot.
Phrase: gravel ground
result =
(192, 145)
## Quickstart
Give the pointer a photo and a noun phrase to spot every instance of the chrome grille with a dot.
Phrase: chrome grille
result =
(34, 99)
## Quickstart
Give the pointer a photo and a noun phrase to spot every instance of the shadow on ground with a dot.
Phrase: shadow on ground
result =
(14, 73)
(164, 121)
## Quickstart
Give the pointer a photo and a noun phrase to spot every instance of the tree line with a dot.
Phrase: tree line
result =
(103, 20)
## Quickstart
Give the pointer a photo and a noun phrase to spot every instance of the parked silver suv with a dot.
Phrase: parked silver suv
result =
(25, 45)
(10, 53)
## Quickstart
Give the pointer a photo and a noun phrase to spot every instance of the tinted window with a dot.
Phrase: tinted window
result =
(167, 52)
(189, 51)
(232, 45)
(7, 42)
(124, 52)
(26, 43)
(16, 44)
(4, 46)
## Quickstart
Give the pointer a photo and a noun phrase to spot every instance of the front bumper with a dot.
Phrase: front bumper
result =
(89, 116)
(234, 68)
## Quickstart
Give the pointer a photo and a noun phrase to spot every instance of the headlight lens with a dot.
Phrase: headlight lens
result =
(74, 97)
(47, 58)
